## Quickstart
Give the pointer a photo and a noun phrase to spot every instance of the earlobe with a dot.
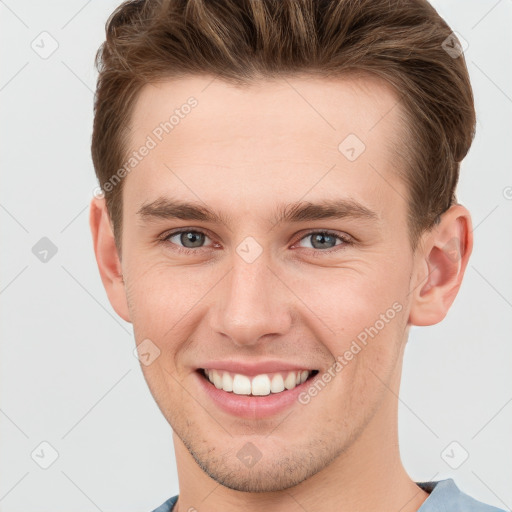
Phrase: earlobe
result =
(107, 257)
(440, 267)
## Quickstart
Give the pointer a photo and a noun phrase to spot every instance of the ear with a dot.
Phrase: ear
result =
(107, 257)
(440, 262)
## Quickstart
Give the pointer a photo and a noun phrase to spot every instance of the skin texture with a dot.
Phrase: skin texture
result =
(241, 152)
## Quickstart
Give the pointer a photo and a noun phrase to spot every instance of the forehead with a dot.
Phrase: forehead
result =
(325, 108)
(287, 137)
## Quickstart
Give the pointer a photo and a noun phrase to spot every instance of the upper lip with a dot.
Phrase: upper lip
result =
(252, 369)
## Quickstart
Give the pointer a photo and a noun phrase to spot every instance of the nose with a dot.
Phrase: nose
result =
(252, 304)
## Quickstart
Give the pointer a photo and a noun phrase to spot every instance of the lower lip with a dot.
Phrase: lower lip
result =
(253, 407)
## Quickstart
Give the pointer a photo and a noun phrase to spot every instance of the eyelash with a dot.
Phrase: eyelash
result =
(346, 240)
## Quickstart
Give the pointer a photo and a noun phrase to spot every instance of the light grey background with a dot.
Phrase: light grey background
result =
(68, 374)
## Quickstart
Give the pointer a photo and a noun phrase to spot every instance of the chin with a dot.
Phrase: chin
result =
(271, 477)
(277, 470)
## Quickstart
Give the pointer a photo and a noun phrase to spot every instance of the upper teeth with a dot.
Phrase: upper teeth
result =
(259, 385)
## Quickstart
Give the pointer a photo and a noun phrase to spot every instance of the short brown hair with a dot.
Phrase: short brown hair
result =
(404, 42)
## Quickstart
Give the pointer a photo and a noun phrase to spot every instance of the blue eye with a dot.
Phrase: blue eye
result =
(324, 240)
(188, 241)
(194, 238)
(191, 239)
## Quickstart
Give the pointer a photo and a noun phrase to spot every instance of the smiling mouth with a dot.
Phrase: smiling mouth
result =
(258, 385)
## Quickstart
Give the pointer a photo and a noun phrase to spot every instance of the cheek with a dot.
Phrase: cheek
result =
(346, 302)
(160, 294)
(166, 303)
(366, 313)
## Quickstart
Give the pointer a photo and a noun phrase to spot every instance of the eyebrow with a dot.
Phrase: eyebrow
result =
(300, 211)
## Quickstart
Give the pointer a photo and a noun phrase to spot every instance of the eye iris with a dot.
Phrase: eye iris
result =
(321, 238)
(194, 237)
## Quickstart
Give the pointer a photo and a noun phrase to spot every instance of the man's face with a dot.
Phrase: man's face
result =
(250, 290)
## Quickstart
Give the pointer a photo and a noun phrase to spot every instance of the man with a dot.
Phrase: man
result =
(278, 210)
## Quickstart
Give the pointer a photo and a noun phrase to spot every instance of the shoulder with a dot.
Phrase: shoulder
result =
(168, 505)
(445, 496)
